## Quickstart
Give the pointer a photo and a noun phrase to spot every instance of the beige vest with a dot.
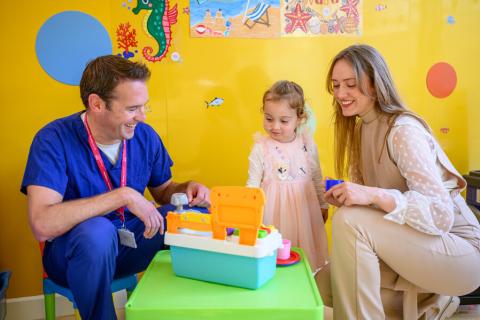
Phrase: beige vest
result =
(379, 170)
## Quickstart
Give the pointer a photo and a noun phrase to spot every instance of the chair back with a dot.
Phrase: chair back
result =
(258, 11)
(42, 247)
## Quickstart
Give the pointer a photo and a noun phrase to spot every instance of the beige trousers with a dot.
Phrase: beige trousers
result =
(383, 270)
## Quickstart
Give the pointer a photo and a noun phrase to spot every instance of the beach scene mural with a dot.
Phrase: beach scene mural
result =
(235, 18)
(303, 18)
(275, 18)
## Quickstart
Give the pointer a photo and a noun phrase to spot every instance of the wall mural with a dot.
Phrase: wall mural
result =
(126, 40)
(159, 25)
(275, 18)
(235, 19)
(321, 18)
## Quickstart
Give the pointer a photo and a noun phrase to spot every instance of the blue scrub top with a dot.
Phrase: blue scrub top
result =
(60, 159)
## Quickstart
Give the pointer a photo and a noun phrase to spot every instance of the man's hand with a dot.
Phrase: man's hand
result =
(197, 194)
(147, 212)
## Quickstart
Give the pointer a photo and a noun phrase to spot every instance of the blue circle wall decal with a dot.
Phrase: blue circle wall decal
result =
(67, 41)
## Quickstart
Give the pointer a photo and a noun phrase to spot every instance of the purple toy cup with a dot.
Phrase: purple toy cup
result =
(330, 183)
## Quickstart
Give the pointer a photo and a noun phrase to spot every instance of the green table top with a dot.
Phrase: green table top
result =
(160, 294)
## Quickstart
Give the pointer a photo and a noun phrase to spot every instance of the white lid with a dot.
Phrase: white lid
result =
(264, 247)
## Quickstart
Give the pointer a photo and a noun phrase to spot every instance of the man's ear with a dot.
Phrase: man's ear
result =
(95, 103)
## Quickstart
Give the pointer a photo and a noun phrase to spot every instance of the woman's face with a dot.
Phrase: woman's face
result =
(347, 92)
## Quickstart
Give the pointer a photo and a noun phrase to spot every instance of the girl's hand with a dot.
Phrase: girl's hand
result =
(349, 194)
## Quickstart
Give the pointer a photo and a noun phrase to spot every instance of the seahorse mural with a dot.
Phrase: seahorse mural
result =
(158, 25)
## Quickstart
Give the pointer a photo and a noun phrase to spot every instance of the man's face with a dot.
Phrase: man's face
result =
(124, 111)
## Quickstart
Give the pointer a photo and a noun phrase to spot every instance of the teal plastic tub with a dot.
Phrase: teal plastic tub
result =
(233, 270)
(224, 261)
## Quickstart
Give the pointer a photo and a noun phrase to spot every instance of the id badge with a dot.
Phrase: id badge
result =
(127, 238)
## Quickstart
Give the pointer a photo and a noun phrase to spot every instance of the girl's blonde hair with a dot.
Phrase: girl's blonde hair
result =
(290, 92)
(370, 68)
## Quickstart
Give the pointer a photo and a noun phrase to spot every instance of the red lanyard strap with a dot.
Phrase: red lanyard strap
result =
(103, 170)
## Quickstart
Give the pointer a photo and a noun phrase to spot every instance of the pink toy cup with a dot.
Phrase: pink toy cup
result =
(284, 253)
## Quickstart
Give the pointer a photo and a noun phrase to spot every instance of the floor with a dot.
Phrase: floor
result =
(463, 313)
(467, 312)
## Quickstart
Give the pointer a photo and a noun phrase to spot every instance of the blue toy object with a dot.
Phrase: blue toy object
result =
(330, 183)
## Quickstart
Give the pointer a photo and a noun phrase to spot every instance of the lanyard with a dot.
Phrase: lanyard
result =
(103, 171)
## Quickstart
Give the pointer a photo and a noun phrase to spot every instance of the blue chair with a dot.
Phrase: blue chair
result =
(4, 279)
(50, 288)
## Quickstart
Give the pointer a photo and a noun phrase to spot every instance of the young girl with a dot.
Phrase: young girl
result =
(285, 165)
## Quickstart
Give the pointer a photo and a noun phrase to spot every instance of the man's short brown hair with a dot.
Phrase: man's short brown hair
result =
(103, 74)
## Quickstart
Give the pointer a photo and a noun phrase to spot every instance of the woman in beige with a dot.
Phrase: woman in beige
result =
(404, 242)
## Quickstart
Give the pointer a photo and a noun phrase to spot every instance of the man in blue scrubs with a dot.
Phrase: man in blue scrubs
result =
(85, 179)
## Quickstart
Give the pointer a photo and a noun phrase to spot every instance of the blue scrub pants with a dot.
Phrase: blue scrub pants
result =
(89, 256)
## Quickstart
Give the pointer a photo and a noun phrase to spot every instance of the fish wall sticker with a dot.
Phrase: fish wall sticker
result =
(216, 102)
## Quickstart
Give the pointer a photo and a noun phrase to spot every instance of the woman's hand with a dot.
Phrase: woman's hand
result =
(349, 194)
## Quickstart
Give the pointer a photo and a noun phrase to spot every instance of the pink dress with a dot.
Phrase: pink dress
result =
(286, 172)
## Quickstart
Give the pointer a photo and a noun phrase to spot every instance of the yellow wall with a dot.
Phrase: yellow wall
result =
(212, 145)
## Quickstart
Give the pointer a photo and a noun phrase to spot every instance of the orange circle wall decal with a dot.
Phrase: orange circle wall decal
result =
(441, 80)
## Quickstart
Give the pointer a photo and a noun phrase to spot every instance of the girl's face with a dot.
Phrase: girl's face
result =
(280, 121)
(347, 92)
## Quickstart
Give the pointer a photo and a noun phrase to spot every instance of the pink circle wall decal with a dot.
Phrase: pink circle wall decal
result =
(441, 80)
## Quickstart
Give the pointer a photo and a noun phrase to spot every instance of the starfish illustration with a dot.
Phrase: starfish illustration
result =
(298, 19)
(350, 8)
(186, 10)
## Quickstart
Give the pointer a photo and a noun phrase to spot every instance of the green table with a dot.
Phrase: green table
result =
(160, 294)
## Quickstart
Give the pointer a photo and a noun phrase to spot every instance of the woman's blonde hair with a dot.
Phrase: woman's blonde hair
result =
(290, 92)
(370, 69)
